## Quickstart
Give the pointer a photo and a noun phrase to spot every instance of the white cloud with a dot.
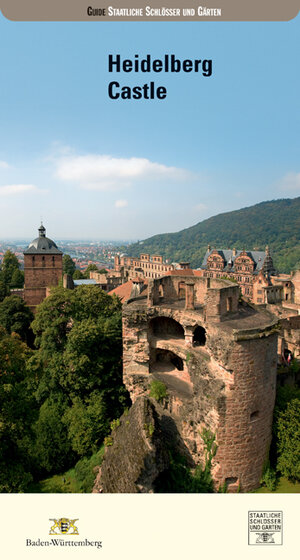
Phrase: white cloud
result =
(200, 206)
(290, 182)
(4, 165)
(103, 172)
(121, 203)
(7, 190)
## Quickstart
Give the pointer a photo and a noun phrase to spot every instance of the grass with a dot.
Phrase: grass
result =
(283, 486)
(78, 480)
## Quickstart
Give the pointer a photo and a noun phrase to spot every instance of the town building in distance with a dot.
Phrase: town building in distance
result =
(127, 268)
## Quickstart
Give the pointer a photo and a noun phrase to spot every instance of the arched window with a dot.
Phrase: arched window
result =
(199, 337)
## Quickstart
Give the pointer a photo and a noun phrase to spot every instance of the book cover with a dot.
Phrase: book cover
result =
(121, 122)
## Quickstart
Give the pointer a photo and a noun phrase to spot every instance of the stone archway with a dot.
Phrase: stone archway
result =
(165, 361)
(165, 327)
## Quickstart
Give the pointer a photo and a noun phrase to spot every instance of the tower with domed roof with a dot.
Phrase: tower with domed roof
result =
(43, 268)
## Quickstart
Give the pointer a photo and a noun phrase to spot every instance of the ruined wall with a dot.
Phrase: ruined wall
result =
(137, 456)
(290, 335)
(219, 303)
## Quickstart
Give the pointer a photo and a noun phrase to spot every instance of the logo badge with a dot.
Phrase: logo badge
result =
(63, 526)
(265, 527)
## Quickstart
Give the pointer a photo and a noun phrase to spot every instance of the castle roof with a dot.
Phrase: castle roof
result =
(85, 282)
(42, 245)
(229, 256)
(124, 290)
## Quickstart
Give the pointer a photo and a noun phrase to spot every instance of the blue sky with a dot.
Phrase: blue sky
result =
(96, 168)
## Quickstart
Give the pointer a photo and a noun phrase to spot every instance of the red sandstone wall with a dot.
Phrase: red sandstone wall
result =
(296, 283)
(34, 296)
(243, 442)
(40, 272)
(228, 381)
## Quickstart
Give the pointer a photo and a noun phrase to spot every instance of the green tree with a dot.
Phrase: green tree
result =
(289, 441)
(69, 266)
(87, 423)
(284, 395)
(17, 411)
(15, 316)
(78, 275)
(52, 450)
(91, 267)
(4, 291)
(79, 350)
(17, 279)
(10, 264)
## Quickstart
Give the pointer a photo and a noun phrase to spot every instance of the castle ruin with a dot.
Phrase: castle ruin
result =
(217, 358)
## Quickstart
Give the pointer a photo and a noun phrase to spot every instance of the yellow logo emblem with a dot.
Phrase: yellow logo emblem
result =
(63, 526)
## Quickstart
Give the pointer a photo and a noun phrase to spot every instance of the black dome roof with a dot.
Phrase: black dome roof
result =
(42, 244)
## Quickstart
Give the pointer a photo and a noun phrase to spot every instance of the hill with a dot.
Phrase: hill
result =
(275, 223)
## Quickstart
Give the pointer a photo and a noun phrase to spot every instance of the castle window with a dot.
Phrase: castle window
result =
(229, 304)
(43, 260)
(181, 290)
(53, 261)
(199, 336)
(33, 261)
(231, 480)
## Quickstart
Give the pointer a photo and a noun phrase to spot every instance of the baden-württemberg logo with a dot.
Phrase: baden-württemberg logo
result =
(63, 526)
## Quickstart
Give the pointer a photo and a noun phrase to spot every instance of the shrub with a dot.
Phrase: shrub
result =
(268, 478)
(158, 391)
(288, 435)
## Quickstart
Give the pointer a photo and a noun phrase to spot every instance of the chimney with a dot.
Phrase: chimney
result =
(137, 287)
(184, 265)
